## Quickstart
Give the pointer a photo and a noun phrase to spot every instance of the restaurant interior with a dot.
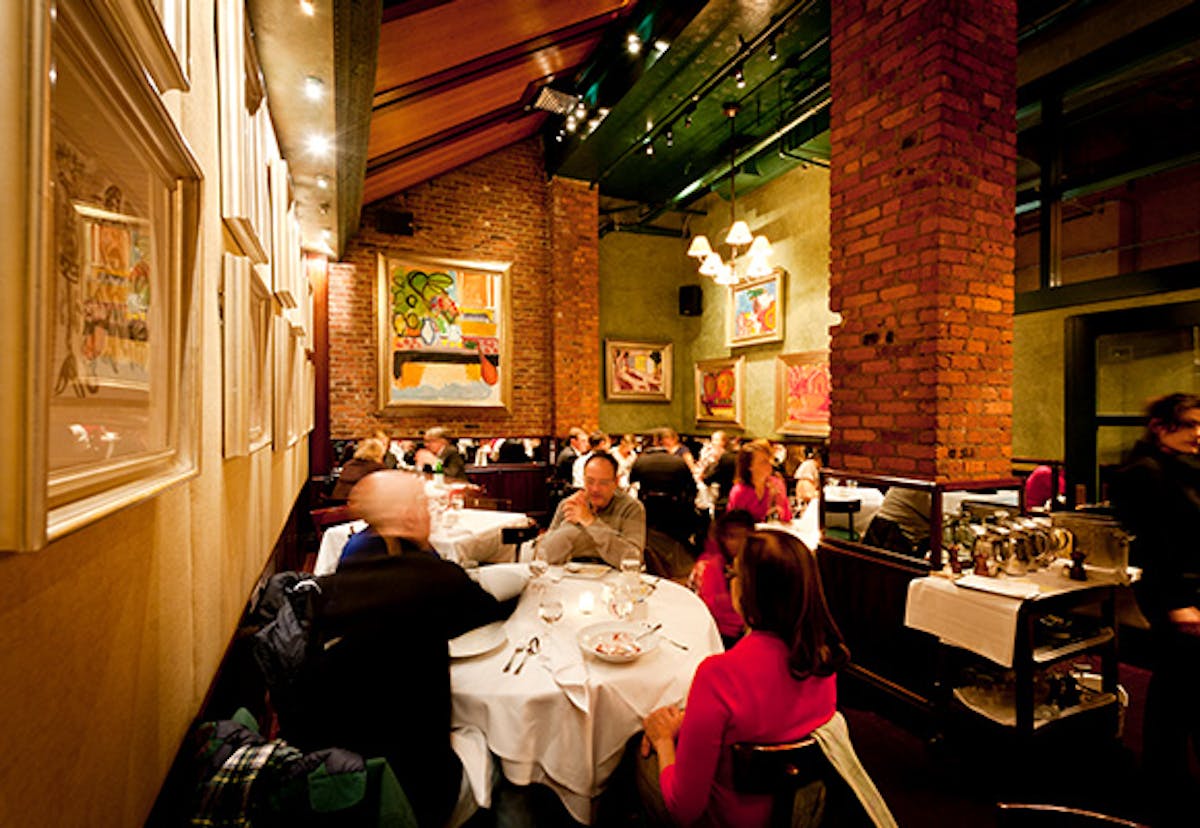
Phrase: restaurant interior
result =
(939, 248)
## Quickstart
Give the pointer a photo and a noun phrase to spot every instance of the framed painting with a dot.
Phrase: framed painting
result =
(638, 371)
(240, 95)
(802, 386)
(756, 311)
(102, 387)
(444, 338)
(720, 389)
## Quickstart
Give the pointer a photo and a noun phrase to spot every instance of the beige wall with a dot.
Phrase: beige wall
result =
(1039, 345)
(110, 637)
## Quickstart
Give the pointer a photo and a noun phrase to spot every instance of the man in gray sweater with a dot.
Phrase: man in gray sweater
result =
(598, 521)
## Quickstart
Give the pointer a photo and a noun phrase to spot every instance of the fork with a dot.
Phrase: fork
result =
(513, 657)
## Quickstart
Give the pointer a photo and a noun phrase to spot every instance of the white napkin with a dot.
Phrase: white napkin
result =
(562, 657)
(471, 746)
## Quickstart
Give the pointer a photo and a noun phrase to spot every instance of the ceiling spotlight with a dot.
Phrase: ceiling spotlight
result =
(650, 148)
(670, 137)
(319, 145)
(571, 125)
(772, 52)
(559, 136)
(739, 76)
(633, 44)
(322, 182)
(326, 234)
(308, 7)
(580, 110)
(687, 115)
(661, 45)
(314, 88)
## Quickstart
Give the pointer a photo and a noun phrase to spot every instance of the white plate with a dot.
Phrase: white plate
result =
(598, 640)
(479, 640)
(575, 569)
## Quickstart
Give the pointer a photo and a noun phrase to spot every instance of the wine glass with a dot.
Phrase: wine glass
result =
(622, 602)
(631, 568)
(550, 607)
(539, 565)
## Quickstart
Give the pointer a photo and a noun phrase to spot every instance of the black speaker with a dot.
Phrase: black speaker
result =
(394, 222)
(691, 300)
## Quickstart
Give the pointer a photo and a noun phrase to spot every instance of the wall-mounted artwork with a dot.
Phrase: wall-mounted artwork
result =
(443, 333)
(638, 371)
(720, 385)
(802, 394)
(756, 311)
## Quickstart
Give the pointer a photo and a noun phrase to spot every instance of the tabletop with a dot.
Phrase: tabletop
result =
(563, 721)
(473, 535)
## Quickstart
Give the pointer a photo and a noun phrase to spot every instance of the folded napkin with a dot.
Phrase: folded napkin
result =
(562, 657)
(469, 743)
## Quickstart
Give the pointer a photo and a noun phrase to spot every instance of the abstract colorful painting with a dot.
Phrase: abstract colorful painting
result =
(720, 385)
(756, 311)
(638, 371)
(443, 333)
(802, 386)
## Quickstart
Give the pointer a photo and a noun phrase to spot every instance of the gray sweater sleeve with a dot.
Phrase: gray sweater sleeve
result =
(610, 537)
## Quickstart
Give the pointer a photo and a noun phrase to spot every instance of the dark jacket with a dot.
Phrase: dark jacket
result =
(1156, 496)
(564, 466)
(381, 685)
(355, 470)
(723, 473)
(453, 465)
(659, 471)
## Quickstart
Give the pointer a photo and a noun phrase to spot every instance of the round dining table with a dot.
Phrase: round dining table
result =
(563, 720)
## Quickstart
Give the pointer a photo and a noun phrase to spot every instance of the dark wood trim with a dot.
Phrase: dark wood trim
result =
(399, 9)
(320, 448)
(1159, 280)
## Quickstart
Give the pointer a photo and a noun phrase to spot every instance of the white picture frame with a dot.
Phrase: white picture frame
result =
(158, 32)
(240, 94)
(260, 399)
(236, 353)
(102, 389)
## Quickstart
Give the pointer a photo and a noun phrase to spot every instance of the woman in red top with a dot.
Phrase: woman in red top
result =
(777, 685)
(710, 579)
(759, 490)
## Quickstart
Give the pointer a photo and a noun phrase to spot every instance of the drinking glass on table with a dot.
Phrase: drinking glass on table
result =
(631, 568)
(623, 601)
(550, 606)
(539, 565)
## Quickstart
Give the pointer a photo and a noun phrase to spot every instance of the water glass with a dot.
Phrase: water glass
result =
(631, 568)
(622, 602)
(550, 607)
(538, 566)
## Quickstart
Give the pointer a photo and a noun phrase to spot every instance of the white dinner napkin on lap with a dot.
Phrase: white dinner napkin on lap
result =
(563, 658)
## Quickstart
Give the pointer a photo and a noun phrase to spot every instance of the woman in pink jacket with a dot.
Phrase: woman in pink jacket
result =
(758, 489)
(710, 575)
(777, 685)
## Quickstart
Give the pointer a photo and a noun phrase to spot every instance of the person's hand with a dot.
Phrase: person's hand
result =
(577, 509)
(661, 727)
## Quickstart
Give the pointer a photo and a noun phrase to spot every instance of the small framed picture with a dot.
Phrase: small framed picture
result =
(637, 371)
(720, 386)
(802, 386)
(756, 311)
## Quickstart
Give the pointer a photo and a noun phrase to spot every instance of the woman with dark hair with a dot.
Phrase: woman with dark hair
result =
(712, 573)
(776, 685)
(758, 489)
(1156, 495)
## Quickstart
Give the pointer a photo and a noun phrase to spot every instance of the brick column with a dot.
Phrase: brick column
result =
(922, 193)
(575, 304)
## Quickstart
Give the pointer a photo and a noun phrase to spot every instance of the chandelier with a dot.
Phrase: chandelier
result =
(739, 238)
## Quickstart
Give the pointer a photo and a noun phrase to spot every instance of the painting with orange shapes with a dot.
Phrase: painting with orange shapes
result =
(802, 389)
(719, 389)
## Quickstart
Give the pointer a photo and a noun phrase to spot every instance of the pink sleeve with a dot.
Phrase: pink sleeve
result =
(779, 492)
(687, 783)
(741, 497)
(714, 592)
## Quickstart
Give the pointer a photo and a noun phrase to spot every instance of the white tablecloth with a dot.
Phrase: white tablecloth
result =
(475, 536)
(980, 621)
(869, 502)
(541, 735)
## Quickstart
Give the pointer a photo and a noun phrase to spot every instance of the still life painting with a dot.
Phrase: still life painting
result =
(443, 333)
(638, 371)
(756, 311)
(719, 388)
(802, 386)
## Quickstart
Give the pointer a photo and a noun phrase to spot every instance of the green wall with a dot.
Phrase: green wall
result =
(1039, 346)
(640, 278)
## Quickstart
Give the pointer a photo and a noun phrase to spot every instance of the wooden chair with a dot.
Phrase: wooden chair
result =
(1026, 815)
(796, 774)
(328, 516)
(844, 507)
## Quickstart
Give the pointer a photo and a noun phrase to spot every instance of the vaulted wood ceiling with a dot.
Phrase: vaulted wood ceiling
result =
(455, 78)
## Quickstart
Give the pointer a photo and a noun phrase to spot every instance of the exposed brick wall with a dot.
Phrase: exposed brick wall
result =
(922, 191)
(497, 208)
(575, 298)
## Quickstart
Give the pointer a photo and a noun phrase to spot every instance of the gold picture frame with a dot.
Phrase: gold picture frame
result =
(444, 333)
(802, 389)
(638, 371)
(756, 311)
(719, 395)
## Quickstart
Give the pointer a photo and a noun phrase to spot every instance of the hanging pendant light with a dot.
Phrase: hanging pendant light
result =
(739, 237)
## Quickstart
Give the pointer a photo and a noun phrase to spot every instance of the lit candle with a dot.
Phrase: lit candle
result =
(587, 602)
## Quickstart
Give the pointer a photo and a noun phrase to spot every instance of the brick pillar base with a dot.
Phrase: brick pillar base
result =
(575, 304)
(922, 194)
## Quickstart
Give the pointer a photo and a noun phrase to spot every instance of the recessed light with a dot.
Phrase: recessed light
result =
(308, 7)
(319, 144)
(661, 46)
(314, 88)
(323, 182)
(633, 44)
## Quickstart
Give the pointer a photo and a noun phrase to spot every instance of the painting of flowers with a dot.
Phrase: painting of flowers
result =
(802, 386)
(756, 311)
(720, 385)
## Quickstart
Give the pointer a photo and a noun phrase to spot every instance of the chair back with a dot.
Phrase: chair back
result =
(781, 770)
(1025, 815)
(328, 516)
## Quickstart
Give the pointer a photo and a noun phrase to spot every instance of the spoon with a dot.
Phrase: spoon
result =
(648, 631)
(531, 649)
(513, 657)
